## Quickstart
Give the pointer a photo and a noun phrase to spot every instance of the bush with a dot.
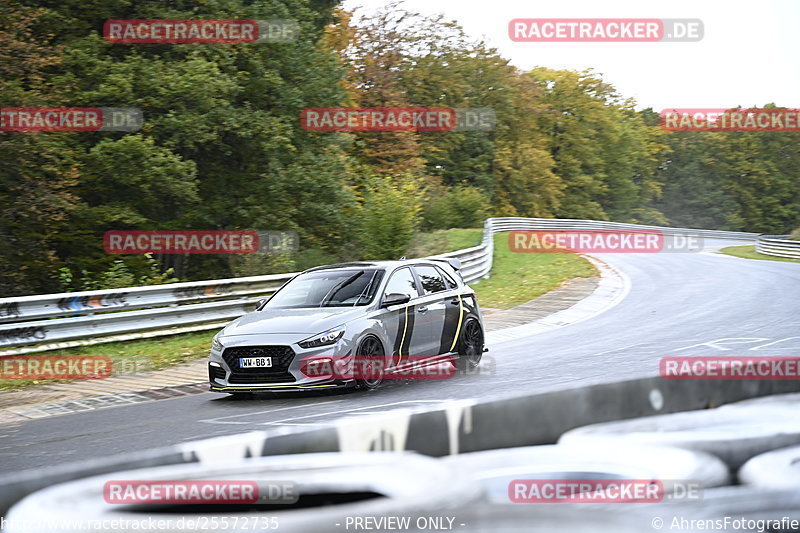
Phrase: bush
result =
(260, 264)
(795, 235)
(388, 217)
(118, 276)
(460, 207)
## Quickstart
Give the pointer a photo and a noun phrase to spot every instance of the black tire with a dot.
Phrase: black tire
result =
(370, 347)
(470, 346)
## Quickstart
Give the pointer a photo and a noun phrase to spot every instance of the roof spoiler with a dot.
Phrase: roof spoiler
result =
(340, 265)
(452, 261)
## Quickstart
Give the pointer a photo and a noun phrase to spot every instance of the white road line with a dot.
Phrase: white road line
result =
(219, 419)
(352, 411)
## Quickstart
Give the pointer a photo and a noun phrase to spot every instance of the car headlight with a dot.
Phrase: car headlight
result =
(323, 339)
(216, 345)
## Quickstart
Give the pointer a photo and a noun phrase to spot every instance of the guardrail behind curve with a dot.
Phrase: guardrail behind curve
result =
(778, 246)
(51, 321)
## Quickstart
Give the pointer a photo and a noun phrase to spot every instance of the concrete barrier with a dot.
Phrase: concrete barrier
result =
(775, 469)
(497, 470)
(319, 492)
(734, 433)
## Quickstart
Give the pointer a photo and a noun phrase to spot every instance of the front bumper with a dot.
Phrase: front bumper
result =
(282, 388)
(285, 376)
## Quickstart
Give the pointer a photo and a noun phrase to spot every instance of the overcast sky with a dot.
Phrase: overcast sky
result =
(748, 56)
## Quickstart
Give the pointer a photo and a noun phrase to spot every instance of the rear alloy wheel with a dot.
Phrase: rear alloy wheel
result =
(370, 349)
(470, 346)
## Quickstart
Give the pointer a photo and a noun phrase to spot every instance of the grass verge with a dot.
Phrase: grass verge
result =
(516, 278)
(132, 356)
(443, 240)
(749, 252)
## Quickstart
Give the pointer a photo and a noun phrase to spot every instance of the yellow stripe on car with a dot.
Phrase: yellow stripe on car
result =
(403, 339)
(460, 319)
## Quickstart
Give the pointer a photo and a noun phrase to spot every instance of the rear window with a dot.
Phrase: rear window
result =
(451, 282)
(431, 279)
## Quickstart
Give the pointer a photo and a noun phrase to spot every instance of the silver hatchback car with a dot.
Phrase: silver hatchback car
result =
(390, 311)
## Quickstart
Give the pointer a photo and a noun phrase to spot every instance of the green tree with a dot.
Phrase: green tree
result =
(603, 150)
(220, 147)
(388, 217)
(39, 171)
(460, 207)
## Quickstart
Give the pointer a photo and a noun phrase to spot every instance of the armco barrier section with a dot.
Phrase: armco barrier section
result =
(778, 246)
(453, 427)
(50, 321)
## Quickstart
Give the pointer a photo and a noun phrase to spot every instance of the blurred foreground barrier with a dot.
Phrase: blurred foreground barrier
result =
(776, 469)
(738, 508)
(563, 518)
(496, 470)
(320, 492)
(51, 321)
(719, 509)
(449, 428)
(734, 433)
(778, 246)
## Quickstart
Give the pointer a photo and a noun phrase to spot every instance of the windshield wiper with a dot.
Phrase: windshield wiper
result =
(338, 287)
(366, 289)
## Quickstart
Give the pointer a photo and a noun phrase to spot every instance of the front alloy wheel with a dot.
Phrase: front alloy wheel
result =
(369, 350)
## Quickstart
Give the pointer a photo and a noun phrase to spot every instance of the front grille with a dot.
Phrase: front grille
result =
(216, 373)
(249, 379)
(282, 357)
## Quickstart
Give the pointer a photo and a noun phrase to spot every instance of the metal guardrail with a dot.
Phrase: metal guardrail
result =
(51, 321)
(518, 223)
(778, 246)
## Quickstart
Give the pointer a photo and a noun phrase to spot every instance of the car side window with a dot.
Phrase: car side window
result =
(402, 282)
(431, 279)
(451, 283)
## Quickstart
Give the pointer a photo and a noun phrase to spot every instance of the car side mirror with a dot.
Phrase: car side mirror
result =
(261, 303)
(395, 298)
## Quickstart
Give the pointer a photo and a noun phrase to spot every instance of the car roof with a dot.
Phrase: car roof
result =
(374, 264)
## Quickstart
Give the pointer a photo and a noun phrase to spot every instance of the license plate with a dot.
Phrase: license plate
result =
(255, 362)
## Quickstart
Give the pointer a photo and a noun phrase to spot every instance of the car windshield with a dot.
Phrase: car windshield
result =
(328, 288)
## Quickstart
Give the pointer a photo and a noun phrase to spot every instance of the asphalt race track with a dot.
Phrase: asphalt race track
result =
(678, 304)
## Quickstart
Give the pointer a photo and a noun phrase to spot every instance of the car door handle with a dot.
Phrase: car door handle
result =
(422, 308)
